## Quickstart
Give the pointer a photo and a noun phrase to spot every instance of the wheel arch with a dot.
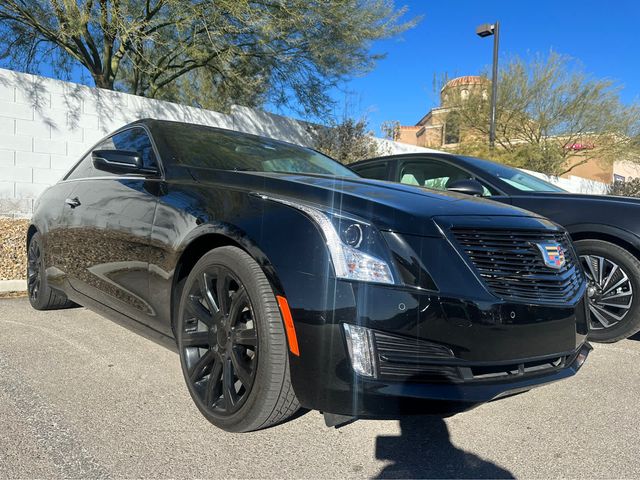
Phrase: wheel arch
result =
(208, 238)
(617, 236)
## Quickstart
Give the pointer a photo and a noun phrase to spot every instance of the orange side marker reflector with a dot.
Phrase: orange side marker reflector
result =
(288, 325)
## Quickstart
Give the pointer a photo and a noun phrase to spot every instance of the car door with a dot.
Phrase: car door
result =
(111, 218)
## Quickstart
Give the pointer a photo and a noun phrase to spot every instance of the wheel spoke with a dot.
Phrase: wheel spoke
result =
(236, 305)
(610, 314)
(204, 283)
(599, 317)
(600, 269)
(618, 295)
(624, 306)
(591, 273)
(214, 385)
(609, 277)
(201, 368)
(222, 291)
(240, 369)
(617, 284)
(195, 308)
(246, 336)
(195, 339)
(228, 385)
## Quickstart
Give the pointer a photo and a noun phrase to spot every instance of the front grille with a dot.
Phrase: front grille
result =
(512, 267)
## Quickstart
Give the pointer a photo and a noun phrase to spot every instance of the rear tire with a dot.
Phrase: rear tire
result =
(232, 343)
(41, 295)
(615, 312)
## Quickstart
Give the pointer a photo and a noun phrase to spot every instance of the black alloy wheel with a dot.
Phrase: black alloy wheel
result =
(220, 341)
(613, 277)
(34, 270)
(232, 343)
(41, 295)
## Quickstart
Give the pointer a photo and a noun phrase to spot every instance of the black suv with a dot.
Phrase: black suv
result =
(604, 229)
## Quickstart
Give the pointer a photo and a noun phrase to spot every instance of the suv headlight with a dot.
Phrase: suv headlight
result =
(357, 249)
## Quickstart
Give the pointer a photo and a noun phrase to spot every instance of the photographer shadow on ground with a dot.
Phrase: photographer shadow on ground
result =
(424, 450)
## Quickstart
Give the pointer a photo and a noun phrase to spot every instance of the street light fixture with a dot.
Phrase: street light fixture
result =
(486, 30)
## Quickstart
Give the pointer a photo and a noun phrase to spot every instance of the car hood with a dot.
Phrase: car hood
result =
(391, 206)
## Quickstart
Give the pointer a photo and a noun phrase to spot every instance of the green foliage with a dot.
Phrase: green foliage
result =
(208, 53)
(551, 117)
(629, 188)
(348, 141)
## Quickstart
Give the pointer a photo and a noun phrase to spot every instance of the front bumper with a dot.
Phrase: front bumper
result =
(496, 349)
(383, 398)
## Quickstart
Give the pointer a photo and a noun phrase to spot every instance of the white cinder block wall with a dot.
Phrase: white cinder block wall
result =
(46, 125)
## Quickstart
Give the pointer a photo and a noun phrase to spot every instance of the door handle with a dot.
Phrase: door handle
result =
(73, 202)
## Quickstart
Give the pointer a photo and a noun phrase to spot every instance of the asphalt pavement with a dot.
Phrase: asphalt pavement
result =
(80, 396)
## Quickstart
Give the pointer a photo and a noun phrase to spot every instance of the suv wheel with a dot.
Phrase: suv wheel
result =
(613, 275)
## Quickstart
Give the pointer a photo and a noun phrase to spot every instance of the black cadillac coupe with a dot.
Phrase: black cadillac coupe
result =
(605, 229)
(286, 280)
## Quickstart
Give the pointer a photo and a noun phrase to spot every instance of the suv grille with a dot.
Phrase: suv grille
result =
(512, 266)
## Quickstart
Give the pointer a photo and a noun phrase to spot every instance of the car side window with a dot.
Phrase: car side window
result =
(132, 140)
(83, 169)
(433, 174)
(377, 171)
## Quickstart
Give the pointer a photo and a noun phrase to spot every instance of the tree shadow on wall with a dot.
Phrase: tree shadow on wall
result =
(114, 109)
(424, 450)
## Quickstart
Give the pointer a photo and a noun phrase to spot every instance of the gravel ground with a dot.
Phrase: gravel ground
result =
(81, 397)
(13, 250)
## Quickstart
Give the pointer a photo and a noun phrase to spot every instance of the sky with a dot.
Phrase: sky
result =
(604, 36)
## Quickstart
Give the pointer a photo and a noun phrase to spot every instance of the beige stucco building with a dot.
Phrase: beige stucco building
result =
(433, 131)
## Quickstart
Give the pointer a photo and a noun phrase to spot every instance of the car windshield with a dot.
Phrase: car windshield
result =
(206, 147)
(514, 177)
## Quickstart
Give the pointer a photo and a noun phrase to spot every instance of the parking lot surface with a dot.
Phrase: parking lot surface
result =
(80, 396)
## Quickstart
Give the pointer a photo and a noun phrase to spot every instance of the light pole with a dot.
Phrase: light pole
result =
(486, 30)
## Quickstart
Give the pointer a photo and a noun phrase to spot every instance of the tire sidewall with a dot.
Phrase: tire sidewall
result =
(237, 261)
(630, 324)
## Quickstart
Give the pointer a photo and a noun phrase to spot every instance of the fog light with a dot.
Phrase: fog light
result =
(360, 346)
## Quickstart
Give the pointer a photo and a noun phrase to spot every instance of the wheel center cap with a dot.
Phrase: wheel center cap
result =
(222, 335)
(592, 291)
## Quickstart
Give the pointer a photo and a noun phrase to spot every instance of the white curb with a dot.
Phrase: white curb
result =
(13, 286)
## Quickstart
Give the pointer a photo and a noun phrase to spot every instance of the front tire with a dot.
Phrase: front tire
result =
(41, 295)
(232, 343)
(613, 274)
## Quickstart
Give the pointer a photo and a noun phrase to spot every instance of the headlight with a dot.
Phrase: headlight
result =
(356, 247)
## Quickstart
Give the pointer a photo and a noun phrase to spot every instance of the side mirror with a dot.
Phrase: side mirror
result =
(468, 187)
(118, 161)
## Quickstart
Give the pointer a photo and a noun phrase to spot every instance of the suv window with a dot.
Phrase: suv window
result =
(434, 174)
(377, 171)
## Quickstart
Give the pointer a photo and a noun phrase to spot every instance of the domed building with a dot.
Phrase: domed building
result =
(463, 87)
(437, 129)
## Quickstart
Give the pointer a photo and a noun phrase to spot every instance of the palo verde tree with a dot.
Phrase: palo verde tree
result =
(208, 53)
(551, 117)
